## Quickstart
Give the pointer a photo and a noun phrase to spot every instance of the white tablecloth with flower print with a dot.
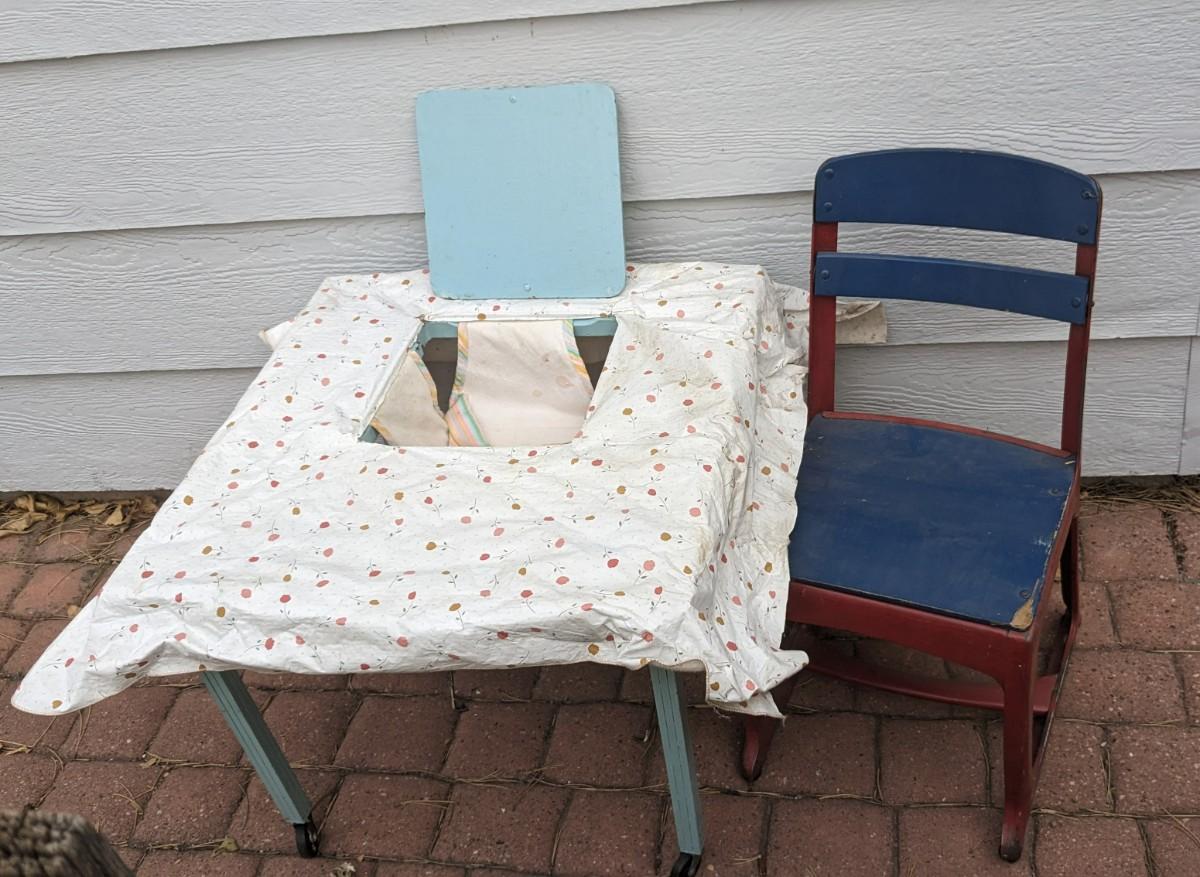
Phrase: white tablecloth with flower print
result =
(659, 534)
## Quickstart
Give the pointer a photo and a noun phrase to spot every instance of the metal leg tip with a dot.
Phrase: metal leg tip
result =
(308, 843)
(687, 865)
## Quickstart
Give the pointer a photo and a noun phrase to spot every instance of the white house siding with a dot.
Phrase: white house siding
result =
(176, 176)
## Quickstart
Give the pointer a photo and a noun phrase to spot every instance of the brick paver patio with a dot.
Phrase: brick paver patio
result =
(559, 772)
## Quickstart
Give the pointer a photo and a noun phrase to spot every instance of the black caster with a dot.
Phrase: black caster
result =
(687, 865)
(308, 843)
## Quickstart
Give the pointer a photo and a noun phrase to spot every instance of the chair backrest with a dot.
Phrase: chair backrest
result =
(522, 190)
(954, 189)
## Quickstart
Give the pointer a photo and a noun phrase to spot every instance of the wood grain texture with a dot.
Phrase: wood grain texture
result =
(39, 29)
(195, 297)
(142, 430)
(715, 99)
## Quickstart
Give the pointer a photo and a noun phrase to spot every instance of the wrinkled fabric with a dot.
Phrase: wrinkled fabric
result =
(658, 534)
(517, 383)
(409, 413)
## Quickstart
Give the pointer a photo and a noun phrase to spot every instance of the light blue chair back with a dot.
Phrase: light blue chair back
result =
(522, 190)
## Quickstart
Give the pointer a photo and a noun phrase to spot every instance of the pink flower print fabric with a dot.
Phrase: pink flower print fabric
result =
(657, 535)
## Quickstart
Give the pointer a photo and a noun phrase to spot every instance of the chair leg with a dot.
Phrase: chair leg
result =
(757, 734)
(1070, 568)
(246, 722)
(1020, 777)
(759, 731)
(681, 771)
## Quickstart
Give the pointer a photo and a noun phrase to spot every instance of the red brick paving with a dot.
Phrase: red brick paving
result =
(822, 754)
(25, 780)
(838, 838)
(1074, 778)
(931, 761)
(121, 727)
(1070, 845)
(858, 782)
(1156, 769)
(499, 739)
(256, 824)
(429, 727)
(309, 725)
(510, 825)
(714, 746)
(191, 805)
(111, 795)
(12, 577)
(599, 744)
(1096, 626)
(733, 832)
(1126, 543)
(386, 815)
(1173, 845)
(51, 588)
(35, 640)
(1122, 686)
(609, 833)
(402, 683)
(1189, 670)
(1157, 615)
(168, 863)
(954, 842)
(1187, 531)
(195, 731)
(575, 683)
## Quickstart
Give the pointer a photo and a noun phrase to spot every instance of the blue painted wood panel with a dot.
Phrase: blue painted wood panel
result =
(1047, 294)
(955, 523)
(522, 191)
(958, 188)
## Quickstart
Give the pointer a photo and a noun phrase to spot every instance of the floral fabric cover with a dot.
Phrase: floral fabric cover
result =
(658, 535)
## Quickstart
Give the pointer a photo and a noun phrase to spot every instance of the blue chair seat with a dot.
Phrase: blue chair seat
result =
(950, 522)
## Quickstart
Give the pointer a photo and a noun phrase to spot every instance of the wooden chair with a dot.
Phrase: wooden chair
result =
(938, 537)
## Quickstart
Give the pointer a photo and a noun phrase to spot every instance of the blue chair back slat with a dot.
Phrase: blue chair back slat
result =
(522, 190)
(959, 189)
(951, 281)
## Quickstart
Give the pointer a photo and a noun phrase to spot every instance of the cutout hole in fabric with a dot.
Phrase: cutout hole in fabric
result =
(493, 383)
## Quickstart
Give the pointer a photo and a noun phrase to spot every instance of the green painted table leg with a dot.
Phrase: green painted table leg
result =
(264, 753)
(681, 767)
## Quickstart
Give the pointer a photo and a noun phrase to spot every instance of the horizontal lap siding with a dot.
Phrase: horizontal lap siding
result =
(161, 206)
(195, 297)
(1189, 452)
(715, 99)
(143, 429)
(36, 29)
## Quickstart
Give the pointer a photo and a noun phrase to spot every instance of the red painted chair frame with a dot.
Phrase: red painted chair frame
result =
(1007, 655)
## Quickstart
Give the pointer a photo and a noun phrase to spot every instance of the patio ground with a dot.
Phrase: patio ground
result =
(558, 771)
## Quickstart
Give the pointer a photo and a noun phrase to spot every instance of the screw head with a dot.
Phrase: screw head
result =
(1083, 229)
(825, 275)
(1076, 302)
(828, 206)
(829, 173)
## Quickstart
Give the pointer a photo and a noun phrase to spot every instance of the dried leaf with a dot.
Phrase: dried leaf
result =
(22, 523)
(116, 518)
(227, 845)
(72, 610)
